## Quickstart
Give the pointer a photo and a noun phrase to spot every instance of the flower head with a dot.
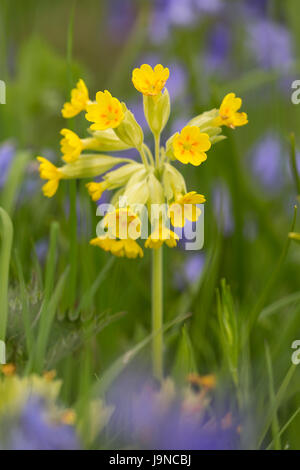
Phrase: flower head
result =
(121, 248)
(79, 100)
(185, 207)
(106, 113)
(71, 145)
(190, 145)
(96, 189)
(48, 171)
(150, 81)
(161, 235)
(228, 113)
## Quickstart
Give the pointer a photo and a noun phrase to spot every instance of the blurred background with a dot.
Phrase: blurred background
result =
(212, 47)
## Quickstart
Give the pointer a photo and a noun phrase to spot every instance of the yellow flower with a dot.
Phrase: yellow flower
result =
(190, 145)
(8, 369)
(123, 223)
(48, 171)
(96, 189)
(150, 81)
(79, 100)
(161, 235)
(106, 113)
(71, 145)
(206, 381)
(121, 248)
(228, 112)
(68, 417)
(185, 207)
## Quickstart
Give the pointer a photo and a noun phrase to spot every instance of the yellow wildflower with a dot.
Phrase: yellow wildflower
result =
(8, 369)
(49, 375)
(96, 189)
(206, 381)
(228, 112)
(48, 171)
(185, 207)
(79, 100)
(190, 145)
(161, 235)
(121, 248)
(68, 417)
(71, 145)
(106, 113)
(150, 81)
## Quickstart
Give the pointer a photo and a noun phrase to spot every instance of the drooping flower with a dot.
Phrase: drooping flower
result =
(71, 145)
(49, 172)
(79, 100)
(228, 112)
(185, 207)
(96, 189)
(121, 248)
(106, 113)
(190, 145)
(123, 223)
(150, 81)
(161, 235)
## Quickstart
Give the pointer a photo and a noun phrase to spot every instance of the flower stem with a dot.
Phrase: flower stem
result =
(157, 313)
(157, 144)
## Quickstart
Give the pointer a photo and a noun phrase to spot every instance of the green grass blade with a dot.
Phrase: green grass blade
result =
(275, 422)
(6, 234)
(14, 179)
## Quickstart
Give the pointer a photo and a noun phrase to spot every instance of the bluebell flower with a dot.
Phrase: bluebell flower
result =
(34, 430)
(267, 162)
(193, 267)
(256, 7)
(209, 7)
(271, 44)
(218, 48)
(121, 16)
(7, 153)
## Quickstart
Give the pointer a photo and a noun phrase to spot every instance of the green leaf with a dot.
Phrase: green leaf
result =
(6, 234)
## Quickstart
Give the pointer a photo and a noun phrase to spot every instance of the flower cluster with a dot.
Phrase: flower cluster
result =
(152, 182)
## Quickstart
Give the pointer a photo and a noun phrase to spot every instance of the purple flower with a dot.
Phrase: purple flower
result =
(267, 162)
(7, 153)
(271, 44)
(208, 7)
(34, 430)
(121, 17)
(218, 48)
(223, 209)
(193, 267)
(256, 7)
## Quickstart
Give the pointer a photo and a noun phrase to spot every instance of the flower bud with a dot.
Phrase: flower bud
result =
(129, 131)
(157, 111)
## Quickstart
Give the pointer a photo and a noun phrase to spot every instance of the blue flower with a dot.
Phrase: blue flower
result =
(271, 44)
(35, 431)
(267, 163)
(7, 153)
(223, 208)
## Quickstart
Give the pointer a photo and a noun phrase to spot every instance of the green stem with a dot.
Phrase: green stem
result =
(143, 157)
(157, 144)
(157, 313)
(73, 245)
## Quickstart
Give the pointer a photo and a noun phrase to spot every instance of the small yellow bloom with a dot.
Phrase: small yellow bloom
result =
(8, 369)
(123, 223)
(206, 381)
(185, 207)
(294, 236)
(150, 81)
(96, 189)
(48, 171)
(68, 417)
(228, 112)
(121, 248)
(71, 145)
(161, 235)
(106, 113)
(79, 100)
(190, 145)
(49, 375)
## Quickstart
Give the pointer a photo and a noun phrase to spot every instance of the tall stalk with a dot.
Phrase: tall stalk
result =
(157, 296)
(157, 312)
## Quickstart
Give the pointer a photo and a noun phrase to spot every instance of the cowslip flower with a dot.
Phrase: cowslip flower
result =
(150, 81)
(185, 207)
(123, 223)
(71, 145)
(96, 189)
(121, 248)
(49, 172)
(190, 145)
(228, 112)
(106, 113)
(79, 100)
(161, 235)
